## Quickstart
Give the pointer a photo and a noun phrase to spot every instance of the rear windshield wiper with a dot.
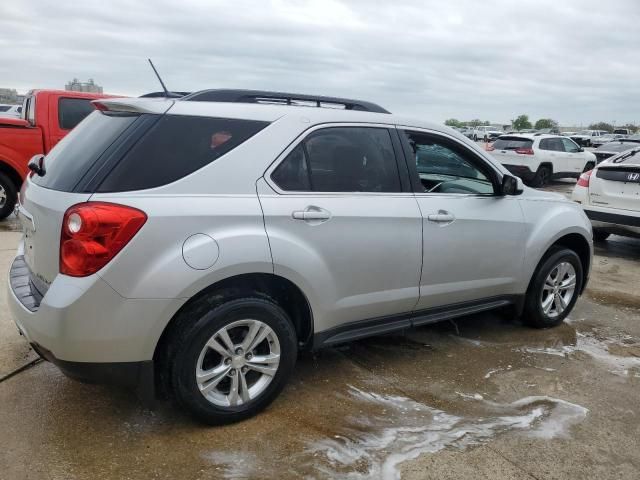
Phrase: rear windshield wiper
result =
(626, 155)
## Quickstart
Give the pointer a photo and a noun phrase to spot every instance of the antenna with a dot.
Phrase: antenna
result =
(167, 93)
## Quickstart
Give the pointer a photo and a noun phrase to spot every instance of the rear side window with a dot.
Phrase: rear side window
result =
(71, 111)
(174, 147)
(341, 159)
(552, 144)
(512, 143)
(72, 157)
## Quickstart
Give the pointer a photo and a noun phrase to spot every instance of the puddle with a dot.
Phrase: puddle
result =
(373, 446)
(619, 354)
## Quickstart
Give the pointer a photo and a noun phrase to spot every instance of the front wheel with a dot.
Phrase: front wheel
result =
(554, 289)
(233, 361)
(8, 196)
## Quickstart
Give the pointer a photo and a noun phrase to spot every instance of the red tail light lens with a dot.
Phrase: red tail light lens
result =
(583, 181)
(524, 151)
(93, 233)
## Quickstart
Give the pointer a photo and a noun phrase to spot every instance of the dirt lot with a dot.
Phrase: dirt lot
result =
(484, 397)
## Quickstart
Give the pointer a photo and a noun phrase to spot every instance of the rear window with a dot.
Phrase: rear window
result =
(4, 108)
(72, 157)
(71, 111)
(174, 147)
(512, 143)
(632, 156)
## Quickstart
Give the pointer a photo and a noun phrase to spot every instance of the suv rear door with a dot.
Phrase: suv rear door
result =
(342, 221)
(472, 238)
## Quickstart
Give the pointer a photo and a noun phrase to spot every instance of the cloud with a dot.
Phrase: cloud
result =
(572, 61)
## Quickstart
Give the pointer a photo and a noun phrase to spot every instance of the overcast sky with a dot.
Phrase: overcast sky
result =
(575, 61)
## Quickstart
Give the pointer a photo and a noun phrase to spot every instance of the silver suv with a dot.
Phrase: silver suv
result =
(191, 248)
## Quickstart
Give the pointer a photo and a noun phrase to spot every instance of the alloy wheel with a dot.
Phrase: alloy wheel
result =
(558, 289)
(238, 363)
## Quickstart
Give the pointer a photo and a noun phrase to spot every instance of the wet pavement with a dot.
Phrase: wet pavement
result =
(482, 397)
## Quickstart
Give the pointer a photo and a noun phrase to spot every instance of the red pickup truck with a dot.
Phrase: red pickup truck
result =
(47, 116)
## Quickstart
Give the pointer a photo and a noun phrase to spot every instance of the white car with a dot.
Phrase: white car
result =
(486, 133)
(586, 138)
(10, 110)
(610, 195)
(539, 158)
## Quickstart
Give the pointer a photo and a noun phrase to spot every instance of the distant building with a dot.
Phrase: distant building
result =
(10, 95)
(90, 86)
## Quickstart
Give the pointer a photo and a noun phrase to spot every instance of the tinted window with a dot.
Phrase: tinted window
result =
(174, 147)
(632, 156)
(4, 108)
(445, 167)
(292, 174)
(71, 111)
(72, 157)
(341, 159)
(570, 146)
(553, 144)
(511, 143)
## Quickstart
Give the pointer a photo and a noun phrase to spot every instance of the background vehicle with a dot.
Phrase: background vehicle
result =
(606, 138)
(585, 138)
(10, 110)
(622, 131)
(539, 158)
(613, 148)
(486, 133)
(205, 276)
(610, 195)
(47, 116)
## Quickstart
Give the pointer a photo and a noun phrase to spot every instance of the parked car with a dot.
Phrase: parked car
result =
(622, 131)
(539, 158)
(193, 246)
(585, 138)
(48, 115)
(468, 132)
(606, 138)
(486, 133)
(613, 148)
(610, 195)
(10, 110)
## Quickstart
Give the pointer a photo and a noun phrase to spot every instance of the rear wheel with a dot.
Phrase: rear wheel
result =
(554, 289)
(232, 361)
(8, 196)
(600, 235)
(542, 177)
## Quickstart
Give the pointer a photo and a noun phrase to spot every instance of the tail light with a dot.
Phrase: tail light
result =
(583, 181)
(93, 233)
(524, 151)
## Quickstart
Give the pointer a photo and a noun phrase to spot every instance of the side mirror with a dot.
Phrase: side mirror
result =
(511, 185)
(36, 165)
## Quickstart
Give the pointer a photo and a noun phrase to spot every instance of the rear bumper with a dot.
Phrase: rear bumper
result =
(86, 328)
(615, 223)
(522, 171)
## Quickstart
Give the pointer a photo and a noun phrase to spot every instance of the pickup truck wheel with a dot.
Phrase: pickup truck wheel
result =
(542, 177)
(233, 360)
(554, 289)
(8, 196)
(475, 138)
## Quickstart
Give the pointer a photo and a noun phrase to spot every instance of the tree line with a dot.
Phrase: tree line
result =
(522, 122)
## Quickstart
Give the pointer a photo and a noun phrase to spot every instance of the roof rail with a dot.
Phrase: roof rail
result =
(281, 98)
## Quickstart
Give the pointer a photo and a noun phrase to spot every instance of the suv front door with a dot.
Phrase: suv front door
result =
(343, 223)
(472, 237)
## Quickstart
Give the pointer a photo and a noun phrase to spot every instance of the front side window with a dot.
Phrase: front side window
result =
(71, 111)
(341, 159)
(445, 167)
(570, 146)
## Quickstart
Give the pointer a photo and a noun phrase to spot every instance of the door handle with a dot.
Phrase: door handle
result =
(311, 213)
(442, 217)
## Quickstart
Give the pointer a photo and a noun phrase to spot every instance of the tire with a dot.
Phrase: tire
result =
(542, 177)
(589, 166)
(534, 313)
(187, 354)
(8, 196)
(600, 235)
(475, 138)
